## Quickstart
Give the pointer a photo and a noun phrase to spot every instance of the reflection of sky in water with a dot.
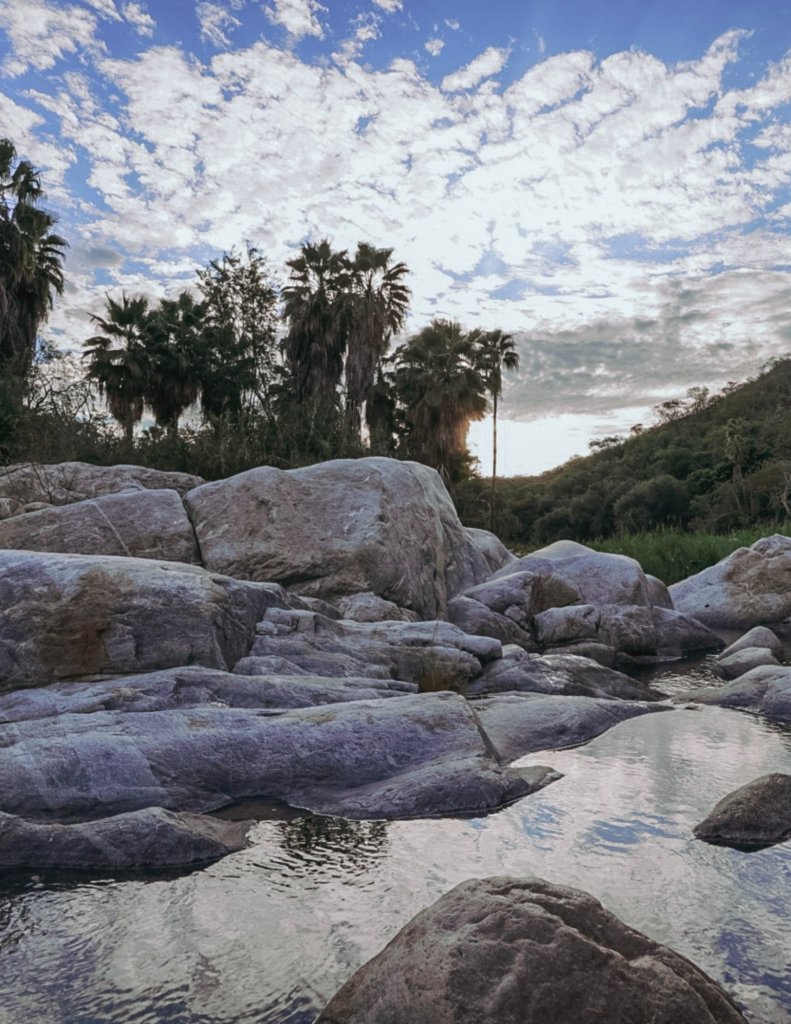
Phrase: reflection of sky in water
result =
(268, 934)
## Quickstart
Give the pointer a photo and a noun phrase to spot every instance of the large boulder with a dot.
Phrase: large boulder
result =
(743, 660)
(524, 951)
(67, 482)
(759, 636)
(150, 838)
(752, 817)
(475, 617)
(420, 755)
(137, 524)
(491, 547)
(340, 528)
(78, 615)
(765, 691)
(750, 587)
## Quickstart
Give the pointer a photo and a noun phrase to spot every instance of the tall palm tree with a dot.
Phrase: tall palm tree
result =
(119, 360)
(495, 352)
(317, 311)
(172, 336)
(31, 261)
(438, 380)
(379, 305)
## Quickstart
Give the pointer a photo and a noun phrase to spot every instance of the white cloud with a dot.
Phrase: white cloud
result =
(105, 8)
(483, 66)
(434, 47)
(389, 5)
(214, 21)
(139, 18)
(366, 29)
(41, 34)
(298, 17)
(454, 26)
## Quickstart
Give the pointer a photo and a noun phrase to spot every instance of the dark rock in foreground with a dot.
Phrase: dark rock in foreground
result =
(754, 816)
(524, 951)
(150, 838)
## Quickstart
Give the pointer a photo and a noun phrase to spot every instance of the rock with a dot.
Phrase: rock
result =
(522, 723)
(8, 507)
(752, 817)
(630, 629)
(598, 577)
(658, 594)
(750, 587)
(340, 528)
(67, 482)
(149, 838)
(562, 674)
(191, 687)
(765, 691)
(567, 625)
(678, 635)
(742, 661)
(75, 615)
(760, 636)
(369, 607)
(524, 951)
(420, 755)
(137, 524)
(476, 618)
(491, 547)
(521, 595)
(600, 653)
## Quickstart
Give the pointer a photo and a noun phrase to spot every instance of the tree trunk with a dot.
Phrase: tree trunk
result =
(493, 500)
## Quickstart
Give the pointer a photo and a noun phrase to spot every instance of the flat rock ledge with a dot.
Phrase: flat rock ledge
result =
(149, 838)
(525, 951)
(752, 817)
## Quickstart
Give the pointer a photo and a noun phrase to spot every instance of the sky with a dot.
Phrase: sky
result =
(609, 181)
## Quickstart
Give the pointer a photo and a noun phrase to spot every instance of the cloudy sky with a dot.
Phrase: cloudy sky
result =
(608, 180)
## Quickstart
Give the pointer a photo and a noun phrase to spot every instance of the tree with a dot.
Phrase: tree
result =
(438, 379)
(379, 303)
(172, 336)
(317, 310)
(31, 257)
(119, 359)
(495, 352)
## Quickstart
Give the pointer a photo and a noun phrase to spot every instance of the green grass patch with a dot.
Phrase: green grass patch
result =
(673, 554)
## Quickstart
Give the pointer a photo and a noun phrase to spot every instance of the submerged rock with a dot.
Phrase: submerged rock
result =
(149, 838)
(524, 951)
(752, 817)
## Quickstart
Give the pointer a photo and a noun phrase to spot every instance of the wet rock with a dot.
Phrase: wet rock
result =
(524, 951)
(77, 615)
(419, 755)
(369, 607)
(759, 636)
(522, 723)
(137, 524)
(491, 547)
(765, 691)
(340, 528)
(752, 817)
(751, 587)
(741, 661)
(476, 618)
(562, 674)
(149, 838)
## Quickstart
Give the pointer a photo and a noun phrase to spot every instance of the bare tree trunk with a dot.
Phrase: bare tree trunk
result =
(493, 500)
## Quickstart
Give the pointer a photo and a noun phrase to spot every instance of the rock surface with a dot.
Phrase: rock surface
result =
(491, 547)
(150, 838)
(759, 636)
(752, 817)
(741, 661)
(765, 691)
(477, 618)
(751, 587)
(524, 951)
(419, 755)
(369, 607)
(77, 615)
(340, 528)
(136, 524)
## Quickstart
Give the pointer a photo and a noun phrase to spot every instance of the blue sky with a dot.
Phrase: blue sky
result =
(611, 182)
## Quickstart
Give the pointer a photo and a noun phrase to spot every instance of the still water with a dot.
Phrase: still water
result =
(267, 935)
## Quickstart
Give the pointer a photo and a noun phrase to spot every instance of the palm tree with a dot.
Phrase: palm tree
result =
(172, 336)
(317, 312)
(31, 258)
(379, 304)
(438, 380)
(495, 352)
(119, 360)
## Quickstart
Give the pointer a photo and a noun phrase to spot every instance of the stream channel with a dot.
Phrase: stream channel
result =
(267, 935)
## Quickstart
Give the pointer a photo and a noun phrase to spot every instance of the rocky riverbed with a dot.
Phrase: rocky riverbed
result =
(330, 639)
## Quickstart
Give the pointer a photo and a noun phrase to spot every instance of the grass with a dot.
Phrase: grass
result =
(673, 554)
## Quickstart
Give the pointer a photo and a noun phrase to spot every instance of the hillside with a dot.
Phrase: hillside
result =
(716, 463)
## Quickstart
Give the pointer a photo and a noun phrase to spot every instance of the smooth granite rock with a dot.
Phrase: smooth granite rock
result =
(567, 625)
(765, 691)
(340, 528)
(523, 951)
(741, 661)
(476, 618)
(420, 755)
(66, 482)
(136, 524)
(752, 817)
(678, 635)
(149, 838)
(750, 587)
(77, 615)
(369, 607)
(519, 595)
(491, 547)
(658, 593)
(759, 636)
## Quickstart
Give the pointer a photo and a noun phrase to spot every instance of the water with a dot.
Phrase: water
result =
(267, 935)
